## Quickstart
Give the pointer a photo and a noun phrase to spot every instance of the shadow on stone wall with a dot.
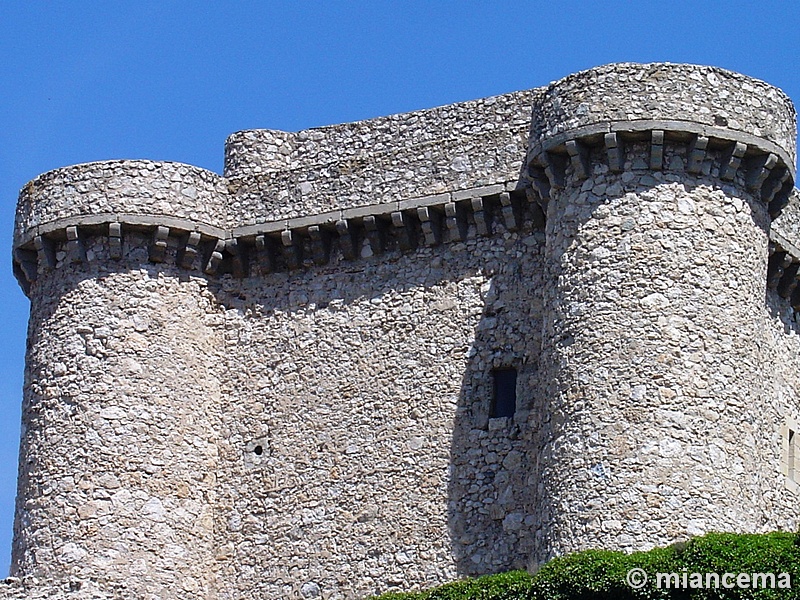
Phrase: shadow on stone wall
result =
(494, 471)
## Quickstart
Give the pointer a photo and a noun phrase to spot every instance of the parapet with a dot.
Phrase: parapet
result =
(293, 200)
(120, 190)
(61, 206)
(277, 175)
(670, 97)
(739, 122)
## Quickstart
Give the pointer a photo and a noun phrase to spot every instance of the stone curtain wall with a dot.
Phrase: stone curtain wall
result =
(277, 383)
(352, 382)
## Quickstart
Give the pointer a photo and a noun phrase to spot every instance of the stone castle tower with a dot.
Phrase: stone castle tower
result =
(395, 352)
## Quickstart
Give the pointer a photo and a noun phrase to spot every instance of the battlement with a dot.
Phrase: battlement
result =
(286, 380)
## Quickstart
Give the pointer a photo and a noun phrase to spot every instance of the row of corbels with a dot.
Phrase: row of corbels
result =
(404, 230)
(293, 248)
(764, 172)
(783, 274)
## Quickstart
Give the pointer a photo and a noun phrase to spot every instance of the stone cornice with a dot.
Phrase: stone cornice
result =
(594, 134)
(760, 164)
(287, 244)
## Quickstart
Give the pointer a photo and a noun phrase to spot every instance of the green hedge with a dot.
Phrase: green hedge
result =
(601, 575)
(505, 586)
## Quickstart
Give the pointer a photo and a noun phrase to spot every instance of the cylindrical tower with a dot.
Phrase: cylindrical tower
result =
(659, 182)
(118, 452)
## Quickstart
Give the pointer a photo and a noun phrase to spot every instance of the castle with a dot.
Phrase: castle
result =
(391, 353)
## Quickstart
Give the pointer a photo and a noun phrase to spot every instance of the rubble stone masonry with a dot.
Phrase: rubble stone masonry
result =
(278, 383)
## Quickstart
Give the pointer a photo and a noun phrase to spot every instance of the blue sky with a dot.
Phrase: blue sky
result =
(169, 80)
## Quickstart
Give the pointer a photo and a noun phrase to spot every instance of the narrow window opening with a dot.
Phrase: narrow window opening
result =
(504, 400)
(259, 450)
(792, 458)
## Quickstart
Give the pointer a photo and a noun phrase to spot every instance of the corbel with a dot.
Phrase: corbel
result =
(579, 157)
(455, 221)
(45, 252)
(555, 168)
(292, 251)
(75, 250)
(540, 184)
(115, 240)
(406, 236)
(483, 223)
(347, 241)
(238, 257)
(781, 198)
(758, 169)
(191, 250)
(26, 262)
(615, 152)
(511, 211)
(774, 183)
(778, 263)
(431, 225)
(657, 150)
(158, 247)
(697, 154)
(376, 235)
(320, 245)
(731, 160)
(215, 259)
(265, 254)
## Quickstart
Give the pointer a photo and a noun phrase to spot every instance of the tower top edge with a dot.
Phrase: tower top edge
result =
(431, 112)
(132, 165)
(645, 67)
(629, 92)
(273, 176)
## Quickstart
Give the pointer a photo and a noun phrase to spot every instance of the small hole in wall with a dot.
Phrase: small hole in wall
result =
(258, 450)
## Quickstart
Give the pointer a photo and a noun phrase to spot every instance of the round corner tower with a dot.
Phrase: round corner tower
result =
(118, 450)
(658, 421)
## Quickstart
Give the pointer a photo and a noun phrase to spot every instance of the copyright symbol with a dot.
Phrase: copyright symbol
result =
(636, 578)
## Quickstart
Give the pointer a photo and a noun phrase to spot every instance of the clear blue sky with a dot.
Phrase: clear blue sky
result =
(169, 80)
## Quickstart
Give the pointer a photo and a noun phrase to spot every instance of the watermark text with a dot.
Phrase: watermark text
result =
(638, 578)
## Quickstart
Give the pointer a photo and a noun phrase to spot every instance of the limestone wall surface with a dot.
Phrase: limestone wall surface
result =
(120, 413)
(663, 415)
(356, 421)
(278, 383)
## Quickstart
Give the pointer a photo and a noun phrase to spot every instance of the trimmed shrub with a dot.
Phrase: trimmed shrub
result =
(513, 585)
(601, 574)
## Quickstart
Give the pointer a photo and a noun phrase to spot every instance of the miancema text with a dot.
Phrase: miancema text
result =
(687, 580)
